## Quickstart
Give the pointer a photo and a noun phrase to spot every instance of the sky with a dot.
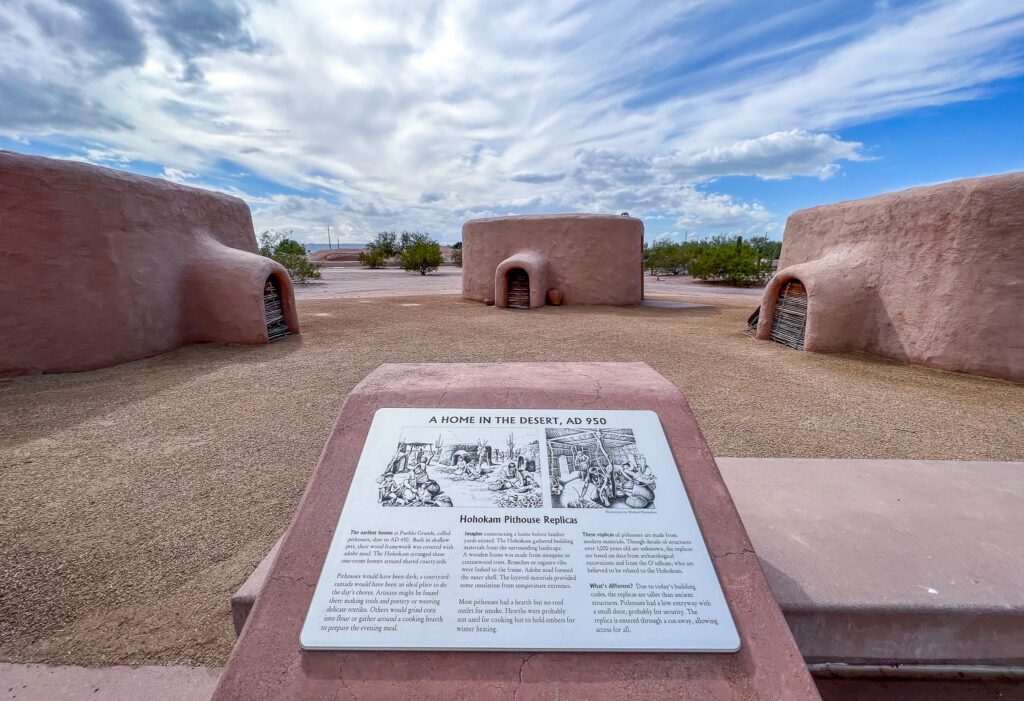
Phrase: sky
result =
(700, 117)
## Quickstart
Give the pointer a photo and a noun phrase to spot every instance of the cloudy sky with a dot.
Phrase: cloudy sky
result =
(699, 117)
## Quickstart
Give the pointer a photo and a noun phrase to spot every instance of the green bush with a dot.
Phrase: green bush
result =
(724, 258)
(386, 244)
(457, 253)
(408, 240)
(734, 261)
(373, 257)
(669, 258)
(423, 256)
(766, 248)
(291, 254)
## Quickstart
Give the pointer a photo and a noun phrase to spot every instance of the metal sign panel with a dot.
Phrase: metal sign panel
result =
(490, 529)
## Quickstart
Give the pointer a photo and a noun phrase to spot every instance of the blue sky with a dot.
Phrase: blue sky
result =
(699, 117)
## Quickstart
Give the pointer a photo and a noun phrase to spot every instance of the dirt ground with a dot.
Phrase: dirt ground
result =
(136, 499)
(350, 281)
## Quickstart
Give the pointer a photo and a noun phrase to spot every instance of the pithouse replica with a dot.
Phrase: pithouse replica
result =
(527, 529)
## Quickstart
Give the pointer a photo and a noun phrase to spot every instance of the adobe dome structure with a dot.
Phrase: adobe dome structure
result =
(931, 275)
(102, 267)
(581, 258)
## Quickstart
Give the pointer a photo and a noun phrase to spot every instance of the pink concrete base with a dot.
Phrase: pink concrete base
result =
(267, 662)
(36, 682)
(839, 614)
(879, 690)
(881, 561)
(243, 600)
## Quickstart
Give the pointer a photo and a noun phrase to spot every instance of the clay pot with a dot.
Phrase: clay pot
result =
(643, 492)
(489, 301)
(554, 296)
(636, 502)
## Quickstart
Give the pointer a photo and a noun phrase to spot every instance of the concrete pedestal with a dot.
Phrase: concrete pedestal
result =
(268, 663)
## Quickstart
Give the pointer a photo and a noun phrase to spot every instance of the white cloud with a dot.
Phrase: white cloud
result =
(385, 113)
(781, 154)
(176, 175)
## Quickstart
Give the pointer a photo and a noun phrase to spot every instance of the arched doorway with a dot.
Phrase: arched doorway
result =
(276, 326)
(518, 288)
(790, 321)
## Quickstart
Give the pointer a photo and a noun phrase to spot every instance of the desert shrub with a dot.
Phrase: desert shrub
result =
(669, 258)
(422, 256)
(766, 248)
(373, 257)
(457, 253)
(734, 261)
(386, 242)
(290, 254)
(407, 239)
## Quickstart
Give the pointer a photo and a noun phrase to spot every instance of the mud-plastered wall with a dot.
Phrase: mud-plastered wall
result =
(589, 258)
(931, 275)
(102, 267)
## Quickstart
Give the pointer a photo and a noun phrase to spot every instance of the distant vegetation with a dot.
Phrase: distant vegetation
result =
(420, 253)
(457, 253)
(279, 246)
(722, 258)
(415, 251)
(373, 257)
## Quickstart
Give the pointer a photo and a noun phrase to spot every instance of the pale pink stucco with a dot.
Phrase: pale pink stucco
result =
(102, 267)
(931, 275)
(589, 258)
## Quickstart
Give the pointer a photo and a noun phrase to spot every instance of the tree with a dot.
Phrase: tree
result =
(734, 261)
(668, 258)
(423, 256)
(379, 251)
(457, 253)
(766, 248)
(411, 239)
(290, 247)
(386, 242)
(291, 254)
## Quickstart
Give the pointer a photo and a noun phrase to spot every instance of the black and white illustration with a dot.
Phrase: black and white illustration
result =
(598, 468)
(463, 467)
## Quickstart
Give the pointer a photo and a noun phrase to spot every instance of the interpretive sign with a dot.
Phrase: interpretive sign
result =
(498, 529)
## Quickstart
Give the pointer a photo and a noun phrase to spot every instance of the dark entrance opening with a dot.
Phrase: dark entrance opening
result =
(790, 321)
(518, 288)
(276, 328)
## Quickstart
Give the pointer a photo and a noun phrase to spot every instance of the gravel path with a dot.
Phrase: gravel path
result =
(136, 499)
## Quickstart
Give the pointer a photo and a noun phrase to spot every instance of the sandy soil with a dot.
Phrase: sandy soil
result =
(136, 499)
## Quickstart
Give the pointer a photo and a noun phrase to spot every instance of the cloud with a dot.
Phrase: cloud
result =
(537, 178)
(719, 212)
(200, 27)
(98, 32)
(389, 114)
(934, 54)
(196, 29)
(782, 154)
(177, 176)
(29, 102)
